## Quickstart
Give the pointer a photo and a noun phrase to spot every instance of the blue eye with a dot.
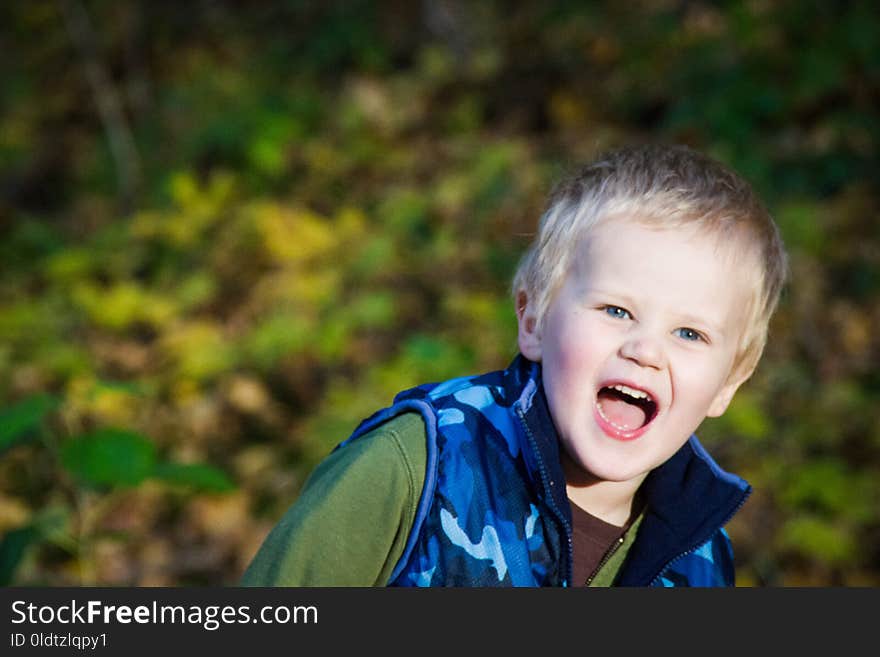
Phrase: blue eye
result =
(688, 334)
(617, 312)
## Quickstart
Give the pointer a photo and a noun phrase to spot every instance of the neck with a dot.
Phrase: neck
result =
(611, 501)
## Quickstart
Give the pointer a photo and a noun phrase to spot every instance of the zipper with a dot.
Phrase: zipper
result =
(547, 485)
(608, 554)
(694, 547)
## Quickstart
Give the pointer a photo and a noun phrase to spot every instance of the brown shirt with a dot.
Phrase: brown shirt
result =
(592, 538)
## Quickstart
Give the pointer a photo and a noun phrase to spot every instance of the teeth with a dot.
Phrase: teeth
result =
(638, 394)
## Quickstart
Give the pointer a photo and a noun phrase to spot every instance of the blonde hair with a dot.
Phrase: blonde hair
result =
(661, 186)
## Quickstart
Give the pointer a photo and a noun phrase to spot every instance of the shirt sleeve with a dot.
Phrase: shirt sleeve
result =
(350, 523)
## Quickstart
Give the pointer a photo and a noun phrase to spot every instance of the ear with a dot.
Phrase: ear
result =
(725, 395)
(528, 338)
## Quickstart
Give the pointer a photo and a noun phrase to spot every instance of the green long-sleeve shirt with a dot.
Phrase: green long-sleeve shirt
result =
(350, 523)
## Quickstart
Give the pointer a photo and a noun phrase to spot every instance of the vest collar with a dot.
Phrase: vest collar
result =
(542, 452)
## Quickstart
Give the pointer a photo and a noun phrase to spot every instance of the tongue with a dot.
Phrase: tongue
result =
(623, 414)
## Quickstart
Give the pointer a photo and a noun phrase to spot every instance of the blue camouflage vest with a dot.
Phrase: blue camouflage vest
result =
(493, 510)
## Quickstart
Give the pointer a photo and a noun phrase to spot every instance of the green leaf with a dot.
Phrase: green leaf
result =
(196, 475)
(19, 420)
(830, 487)
(747, 417)
(12, 550)
(47, 526)
(818, 540)
(110, 457)
(801, 226)
(53, 524)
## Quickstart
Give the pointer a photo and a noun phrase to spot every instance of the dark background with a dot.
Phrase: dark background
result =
(230, 230)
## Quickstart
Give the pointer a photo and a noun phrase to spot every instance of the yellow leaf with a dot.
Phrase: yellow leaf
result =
(293, 235)
(13, 513)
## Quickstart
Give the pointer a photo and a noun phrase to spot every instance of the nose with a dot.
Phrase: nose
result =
(644, 351)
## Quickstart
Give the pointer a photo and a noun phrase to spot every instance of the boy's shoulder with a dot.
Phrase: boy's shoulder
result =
(403, 433)
(436, 390)
(368, 492)
(501, 386)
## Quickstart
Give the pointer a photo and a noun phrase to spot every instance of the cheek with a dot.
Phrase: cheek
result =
(571, 365)
(699, 384)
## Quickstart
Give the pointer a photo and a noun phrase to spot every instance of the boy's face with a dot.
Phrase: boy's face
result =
(654, 313)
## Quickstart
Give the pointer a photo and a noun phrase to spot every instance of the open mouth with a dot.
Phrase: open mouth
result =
(625, 410)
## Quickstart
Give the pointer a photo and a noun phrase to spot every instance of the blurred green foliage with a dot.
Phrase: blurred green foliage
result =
(231, 231)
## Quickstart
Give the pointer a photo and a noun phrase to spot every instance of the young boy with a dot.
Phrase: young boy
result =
(642, 306)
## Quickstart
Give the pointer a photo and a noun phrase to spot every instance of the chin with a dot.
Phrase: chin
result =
(610, 469)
